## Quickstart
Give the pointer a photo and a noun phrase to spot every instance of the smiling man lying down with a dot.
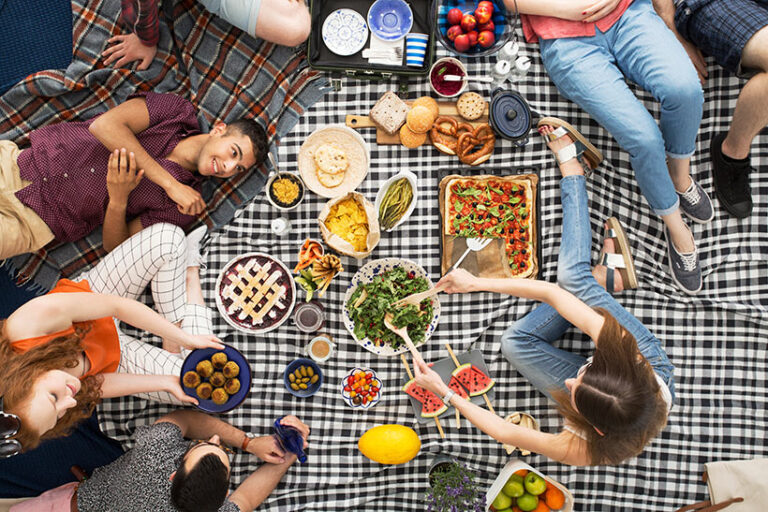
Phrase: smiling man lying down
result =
(60, 187)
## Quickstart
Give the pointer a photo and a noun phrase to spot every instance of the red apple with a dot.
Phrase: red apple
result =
(461, 43)
(472, 37)
(468, 22)
(482, 15)
(486, 26)
(454, 16)
(453, 32)
(486, 4)
(486, 39)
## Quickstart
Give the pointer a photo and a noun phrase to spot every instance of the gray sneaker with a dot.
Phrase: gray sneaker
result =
(695, 203)
(685, 268)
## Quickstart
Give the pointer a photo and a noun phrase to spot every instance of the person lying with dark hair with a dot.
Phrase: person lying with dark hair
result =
(60, 188)
(164, 471)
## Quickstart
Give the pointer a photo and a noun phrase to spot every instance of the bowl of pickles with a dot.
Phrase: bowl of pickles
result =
(302, 377)
(396, 200)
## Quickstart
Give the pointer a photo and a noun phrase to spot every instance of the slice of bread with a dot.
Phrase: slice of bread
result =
(389, 112)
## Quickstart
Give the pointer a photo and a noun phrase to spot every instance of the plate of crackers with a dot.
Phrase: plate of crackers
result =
(333, 161)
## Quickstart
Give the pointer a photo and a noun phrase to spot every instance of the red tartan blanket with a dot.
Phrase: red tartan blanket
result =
(226, 73)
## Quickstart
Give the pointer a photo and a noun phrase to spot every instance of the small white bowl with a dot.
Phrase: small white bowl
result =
(461, 66)
(293, 177)
(383, 190)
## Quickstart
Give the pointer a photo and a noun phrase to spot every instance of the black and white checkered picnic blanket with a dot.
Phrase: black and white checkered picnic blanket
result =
(716, 340)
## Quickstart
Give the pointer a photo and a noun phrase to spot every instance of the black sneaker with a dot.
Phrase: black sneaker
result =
(731, 180)
(685, 268)
(696, 204)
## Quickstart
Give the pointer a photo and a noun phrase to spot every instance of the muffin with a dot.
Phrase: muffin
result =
(217, 379)
(204, 369)
(219, 359)
(219, 396)
(231, 370)
(232, 386)
(204, 390)
(191, 379)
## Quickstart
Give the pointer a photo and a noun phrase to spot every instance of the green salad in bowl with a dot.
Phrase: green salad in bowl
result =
(370, 296)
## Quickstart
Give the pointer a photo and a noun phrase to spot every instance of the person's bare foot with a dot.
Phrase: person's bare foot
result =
(601, 271)
(571, 167)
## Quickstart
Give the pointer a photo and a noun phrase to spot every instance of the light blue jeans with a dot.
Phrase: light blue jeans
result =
(240, 13)
(590, 72)
(528, 343)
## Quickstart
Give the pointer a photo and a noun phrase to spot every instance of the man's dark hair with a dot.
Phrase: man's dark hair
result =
(204, 488)
(253, 130)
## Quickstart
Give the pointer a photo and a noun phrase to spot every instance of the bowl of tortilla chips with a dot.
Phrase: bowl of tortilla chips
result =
(349, 225)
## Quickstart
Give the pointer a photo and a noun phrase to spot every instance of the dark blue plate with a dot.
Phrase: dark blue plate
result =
(244, 377)
(311, 388)
(390, 20)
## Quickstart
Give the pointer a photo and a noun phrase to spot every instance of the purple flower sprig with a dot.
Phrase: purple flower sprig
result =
(455, 490)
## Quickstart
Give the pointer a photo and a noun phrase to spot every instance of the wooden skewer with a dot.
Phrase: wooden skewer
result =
(410, 376)
(456, 362)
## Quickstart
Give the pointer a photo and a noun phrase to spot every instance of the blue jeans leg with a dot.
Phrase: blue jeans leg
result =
(527, 344)
(590, 71)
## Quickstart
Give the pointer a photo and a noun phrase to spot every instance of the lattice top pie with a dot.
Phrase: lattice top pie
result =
(256, 292)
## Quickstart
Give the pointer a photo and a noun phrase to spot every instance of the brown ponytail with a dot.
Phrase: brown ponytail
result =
(618, 395)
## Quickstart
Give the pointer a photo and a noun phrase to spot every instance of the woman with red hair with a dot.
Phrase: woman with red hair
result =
(64, 351)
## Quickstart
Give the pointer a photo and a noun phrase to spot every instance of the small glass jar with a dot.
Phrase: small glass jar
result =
(281, 226)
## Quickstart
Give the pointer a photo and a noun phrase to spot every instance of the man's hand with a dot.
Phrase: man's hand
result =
(293, 421)
(122, 176)
(128, 48)
(267, 449)
(696, 57)
(188, 200)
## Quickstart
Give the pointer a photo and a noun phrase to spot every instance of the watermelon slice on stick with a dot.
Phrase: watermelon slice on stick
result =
(457, 388)
(410, 376)
(472, 378)
(431, 404)
(478, 373)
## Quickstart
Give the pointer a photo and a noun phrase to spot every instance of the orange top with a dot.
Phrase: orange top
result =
(101, 344)
(548, 27)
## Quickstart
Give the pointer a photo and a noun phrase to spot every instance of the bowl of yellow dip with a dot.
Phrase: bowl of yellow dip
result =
(285, 190)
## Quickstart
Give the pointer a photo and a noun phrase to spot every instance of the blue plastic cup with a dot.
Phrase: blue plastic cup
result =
(415, 49)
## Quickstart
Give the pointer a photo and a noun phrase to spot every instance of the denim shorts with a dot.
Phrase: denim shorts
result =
(721, 28)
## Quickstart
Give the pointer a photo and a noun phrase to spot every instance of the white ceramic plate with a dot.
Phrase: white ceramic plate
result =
(345, 32)
(351, 141)
(383, 190)
(348, 399)
(281, 314)
(364, 276)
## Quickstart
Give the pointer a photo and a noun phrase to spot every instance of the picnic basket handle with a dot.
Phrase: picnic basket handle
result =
(707, 506)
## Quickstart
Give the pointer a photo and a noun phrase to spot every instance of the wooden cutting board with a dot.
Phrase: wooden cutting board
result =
(446, 108)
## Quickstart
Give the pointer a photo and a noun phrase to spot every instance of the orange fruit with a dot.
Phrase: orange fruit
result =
(521, 472)
(554, 497)
(541, 507)
(516, 509)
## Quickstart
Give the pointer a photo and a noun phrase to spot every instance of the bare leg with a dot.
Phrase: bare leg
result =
(285, 22)
(680, 172)
(751, 112)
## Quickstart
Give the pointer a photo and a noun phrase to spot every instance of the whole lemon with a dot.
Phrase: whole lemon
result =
(390, 444)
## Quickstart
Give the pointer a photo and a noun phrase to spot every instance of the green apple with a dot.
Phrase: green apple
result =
(517, 478)
(502, 501)
(534, 484)
(513, 488)
(527, 502)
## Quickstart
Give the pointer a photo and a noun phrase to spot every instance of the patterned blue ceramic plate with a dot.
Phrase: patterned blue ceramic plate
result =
(349, 400)
(244, 377)
(365, 275)
(390, 20)
(345, 32)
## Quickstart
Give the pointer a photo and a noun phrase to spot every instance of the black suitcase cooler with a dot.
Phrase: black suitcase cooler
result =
(355, 66)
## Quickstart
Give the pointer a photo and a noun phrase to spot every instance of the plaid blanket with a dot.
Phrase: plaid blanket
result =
(716, 340)
(226, 73)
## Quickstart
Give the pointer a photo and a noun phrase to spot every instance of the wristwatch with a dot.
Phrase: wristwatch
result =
(448, 396)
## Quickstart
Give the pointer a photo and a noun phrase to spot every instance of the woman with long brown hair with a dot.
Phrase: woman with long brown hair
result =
(63, 351)
(616, 401)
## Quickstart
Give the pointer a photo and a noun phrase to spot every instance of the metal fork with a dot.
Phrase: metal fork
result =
(474, 245)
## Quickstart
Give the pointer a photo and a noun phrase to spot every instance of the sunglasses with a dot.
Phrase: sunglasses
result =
(10, 424)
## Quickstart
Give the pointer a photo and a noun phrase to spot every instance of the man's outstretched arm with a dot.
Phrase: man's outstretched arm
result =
(117, 128)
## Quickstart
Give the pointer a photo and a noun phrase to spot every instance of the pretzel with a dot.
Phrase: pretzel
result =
(443, 136)
(482, 136)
